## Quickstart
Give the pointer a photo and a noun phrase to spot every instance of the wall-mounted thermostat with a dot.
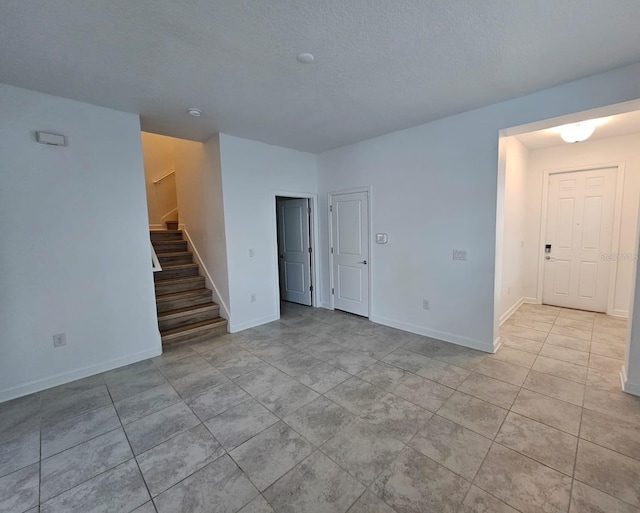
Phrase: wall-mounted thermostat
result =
(382, 238)
(51, 139)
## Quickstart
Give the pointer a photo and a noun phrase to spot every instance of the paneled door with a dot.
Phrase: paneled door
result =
(350, 252)
(579, 232)
(294, 250)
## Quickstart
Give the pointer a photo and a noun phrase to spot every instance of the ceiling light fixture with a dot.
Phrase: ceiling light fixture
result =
(305, 58)
(577, 132)
(196, 113)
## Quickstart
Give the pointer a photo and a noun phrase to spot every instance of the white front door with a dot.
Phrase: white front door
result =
(580, 212)
(350, 247)
(294, 250)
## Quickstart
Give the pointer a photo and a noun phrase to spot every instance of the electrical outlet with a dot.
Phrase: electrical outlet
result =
(59, 340)
(253, 298)
(459, 254)
(425, 304)
(252, 253)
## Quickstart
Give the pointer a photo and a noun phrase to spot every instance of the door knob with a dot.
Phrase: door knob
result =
(548, 257)
(363, 262)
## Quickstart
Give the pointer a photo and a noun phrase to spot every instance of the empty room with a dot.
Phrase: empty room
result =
(319, 257)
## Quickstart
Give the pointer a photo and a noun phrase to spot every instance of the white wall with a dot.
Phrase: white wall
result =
(200, 204)
(624, 150)
(435, 189)
(515, 226)
(158, 158)
(252, 173)
(75, 254)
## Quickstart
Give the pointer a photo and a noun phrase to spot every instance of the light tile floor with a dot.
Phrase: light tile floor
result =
(326, 412)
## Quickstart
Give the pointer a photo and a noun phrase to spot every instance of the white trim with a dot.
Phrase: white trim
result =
(511, 310)
(156, 267)
(154, 227)
(440, 335)
(315, 245)
(330, 194)
(234, 328)
(620, 313)
(223, 306)
(629, 388)
(617, 219)
(497, 343)
(325, 305)
(84, 372)
(171, 212)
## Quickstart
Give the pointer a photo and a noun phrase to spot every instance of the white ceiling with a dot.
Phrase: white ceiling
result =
(380, 65)
(611, 126)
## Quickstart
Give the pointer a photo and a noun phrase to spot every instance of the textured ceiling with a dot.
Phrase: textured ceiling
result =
(380, 65)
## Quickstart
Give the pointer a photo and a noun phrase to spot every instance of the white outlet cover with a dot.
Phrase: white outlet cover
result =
(459, 254)
(252, 253)
(59, 340)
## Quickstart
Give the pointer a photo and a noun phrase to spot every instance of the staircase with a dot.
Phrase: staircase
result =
(186, 312)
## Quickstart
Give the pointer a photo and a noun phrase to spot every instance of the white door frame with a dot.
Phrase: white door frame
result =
(615, 239)
(315, 260)
(367, 191)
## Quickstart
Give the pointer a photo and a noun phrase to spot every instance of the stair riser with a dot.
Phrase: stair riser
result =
(170, 246)
(163, 235)
(175, 304)
(187, 258)
(169, 287)
(175, 273)
(186, 319)
(197, 337)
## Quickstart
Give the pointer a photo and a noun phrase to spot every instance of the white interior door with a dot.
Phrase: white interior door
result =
(294, 250)
(580, 212)
(350, 247)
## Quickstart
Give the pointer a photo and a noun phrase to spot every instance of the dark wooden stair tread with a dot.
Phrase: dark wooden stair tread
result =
(188, 309)
(180, 295)
(218, 321)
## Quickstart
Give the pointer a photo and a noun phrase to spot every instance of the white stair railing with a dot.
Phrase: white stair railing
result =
(155, 263)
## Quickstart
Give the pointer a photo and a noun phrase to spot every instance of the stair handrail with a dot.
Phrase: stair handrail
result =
(155, 263)
(155, 182)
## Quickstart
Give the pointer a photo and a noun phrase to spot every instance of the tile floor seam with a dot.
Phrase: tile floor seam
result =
(131, 448)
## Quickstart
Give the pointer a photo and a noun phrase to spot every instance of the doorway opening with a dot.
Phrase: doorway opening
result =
(567, 240)
(296, 241)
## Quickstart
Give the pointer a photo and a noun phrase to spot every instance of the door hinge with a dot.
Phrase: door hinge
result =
(332, 292)
(332, 251)
(330, 208)
(309, 250)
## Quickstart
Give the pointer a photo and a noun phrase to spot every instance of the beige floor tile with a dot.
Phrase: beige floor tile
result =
(549, 411)
(523, 344)
(609, 472)
(571, 332)
(503, 371)
(480, 416)
(540, 442)
(565, 354)
(558, 388)
(604, 363)
(523, 483)
(515, 356)
(569, 342)
(560, 369)
(491, 390)
(585, 499)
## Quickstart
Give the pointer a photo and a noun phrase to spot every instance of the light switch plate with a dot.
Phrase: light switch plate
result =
(382, 238)
(459, 254)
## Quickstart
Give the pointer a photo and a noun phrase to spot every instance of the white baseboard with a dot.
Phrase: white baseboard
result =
(234, 328)
(440, 335)
(67, 377)
(223, 306)
(629, 388)
(496, 344)
(620, 313)
(326, 305)
(153, 227)
(511, 310)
